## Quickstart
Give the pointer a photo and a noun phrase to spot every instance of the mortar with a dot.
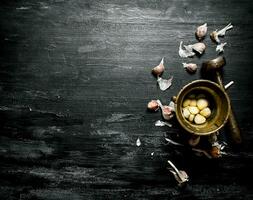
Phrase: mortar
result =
(219, 104)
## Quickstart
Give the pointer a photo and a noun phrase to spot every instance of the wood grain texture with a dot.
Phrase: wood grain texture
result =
(74, 83)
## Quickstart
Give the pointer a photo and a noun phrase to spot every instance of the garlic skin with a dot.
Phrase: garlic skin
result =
(199, 119)
(159, 69)
(201, 32)
(185, 53)
(199, 47)
(220, 47)
(167, 111)
(190, 67)
(215, 34)
(153, 105)
(164, 84)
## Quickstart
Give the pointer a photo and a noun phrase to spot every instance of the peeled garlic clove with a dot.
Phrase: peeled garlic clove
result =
(185, 53)
(164, 84)
(199, 119)
(191, 117)
(153, 105)
(193, 102)
(202, 103)
(190, 67)
(214, 37)
(159, 69)
(186, 113)
(206, 112)
(201, 32)
(186, 102)
(193, 110)
(220, 47)
(199, 47)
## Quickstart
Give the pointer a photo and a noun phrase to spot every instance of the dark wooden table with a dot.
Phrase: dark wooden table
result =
(74, 83)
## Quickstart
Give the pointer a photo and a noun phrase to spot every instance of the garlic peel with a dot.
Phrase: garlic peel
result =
(185, 53)
(153, 105)
(220, 47)
(164, 84)
(215, 34)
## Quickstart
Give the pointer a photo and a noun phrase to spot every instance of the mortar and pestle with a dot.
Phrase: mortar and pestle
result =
(222, 114)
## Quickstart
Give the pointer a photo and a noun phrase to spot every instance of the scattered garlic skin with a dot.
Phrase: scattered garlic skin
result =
(193, 102)
(199, 47)
(199, 119)
(153, 105)
(167, 112)
(220, 47)
(190, 67)
(191, 117)
(185, 53)
(186, 102)
(206, 112)
(159, 69)
(201, 32)
(186, 112)
(202, 103)
(215, 34)
(193, 110)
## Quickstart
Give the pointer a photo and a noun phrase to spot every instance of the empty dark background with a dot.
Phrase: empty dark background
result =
(74, 83)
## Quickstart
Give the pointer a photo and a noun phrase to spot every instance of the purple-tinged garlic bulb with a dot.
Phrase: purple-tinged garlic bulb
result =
(153, 105)
(215, 34)
(220, 47)
(190, 67)
(159, 69)
(201, 32)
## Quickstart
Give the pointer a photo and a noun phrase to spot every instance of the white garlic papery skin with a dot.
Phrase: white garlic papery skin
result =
(159, 69)
(185, 53)
(201, 32)
(190, 67)
(153, 105)
(220, 47)
(199, 119)
(215, 34)
(164, 84)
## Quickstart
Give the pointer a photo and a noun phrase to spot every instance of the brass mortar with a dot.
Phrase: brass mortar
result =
(219, 103)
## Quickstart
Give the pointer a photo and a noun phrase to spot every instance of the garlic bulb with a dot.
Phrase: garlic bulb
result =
(220, 47)
(199, 119)
(215, 34)
(201, 32)
(185, 53)
(153, 105)
(159, 69)
(190, 67)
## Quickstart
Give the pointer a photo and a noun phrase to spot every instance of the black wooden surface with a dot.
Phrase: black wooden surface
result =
(74, 83)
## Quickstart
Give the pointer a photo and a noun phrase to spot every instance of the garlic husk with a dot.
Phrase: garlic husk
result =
(190, 67)
(138, 142)
(153, 105)
(159, 69)
(214, 37)
(167, 111)
(220, 47)
(164, 84)
(185, 53)
(162, 123)
(215, 34)
(201, 32)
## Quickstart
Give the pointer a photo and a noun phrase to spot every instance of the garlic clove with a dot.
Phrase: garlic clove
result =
(167, 112)
(185, 53)
(206, 112)
(201, 32)
(190, 67)
(186, 102)
(214, 37)
(199, 119)
(220, 47)
(202, 103)
(199, 47)
(193, 102)
(153, 105)
(159, 69)
(186, 112)
(193, 110)
(191, 117)
(164, 84)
